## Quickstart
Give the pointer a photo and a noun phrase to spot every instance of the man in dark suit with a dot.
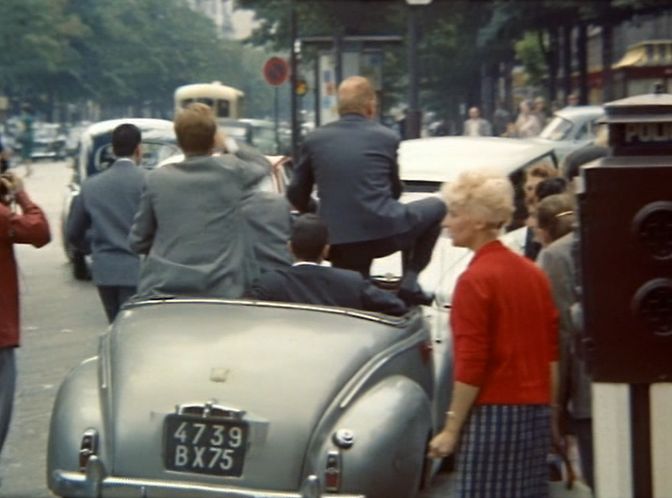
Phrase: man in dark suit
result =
(309, 282)
(353, 162)
(106, 207)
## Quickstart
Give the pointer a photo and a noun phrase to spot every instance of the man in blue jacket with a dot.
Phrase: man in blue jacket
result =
(105, 208)
(307, 281)
(353, 163)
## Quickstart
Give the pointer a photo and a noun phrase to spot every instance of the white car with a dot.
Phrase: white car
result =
(425, 164)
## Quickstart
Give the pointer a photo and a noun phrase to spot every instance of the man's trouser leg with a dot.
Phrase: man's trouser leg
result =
(351, 257)
(418, 243)
(7, 387)
(113, 297)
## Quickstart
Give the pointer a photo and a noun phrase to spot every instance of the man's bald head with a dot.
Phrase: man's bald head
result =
(356, 95)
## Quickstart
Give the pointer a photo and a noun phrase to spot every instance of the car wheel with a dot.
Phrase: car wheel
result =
(79, 269)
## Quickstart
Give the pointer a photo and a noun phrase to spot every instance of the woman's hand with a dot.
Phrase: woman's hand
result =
(443, 444)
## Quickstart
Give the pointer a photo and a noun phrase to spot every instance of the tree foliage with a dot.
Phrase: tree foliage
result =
(118, 53)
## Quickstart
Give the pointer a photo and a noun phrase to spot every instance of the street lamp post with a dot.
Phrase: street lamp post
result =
(413, 113)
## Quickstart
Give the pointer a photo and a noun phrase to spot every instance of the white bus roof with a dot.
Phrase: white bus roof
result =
(214, 89)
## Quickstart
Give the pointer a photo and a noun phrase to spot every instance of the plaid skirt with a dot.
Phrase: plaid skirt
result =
(502, 452)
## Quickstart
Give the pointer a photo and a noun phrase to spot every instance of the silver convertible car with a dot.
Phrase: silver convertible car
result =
(218, 398)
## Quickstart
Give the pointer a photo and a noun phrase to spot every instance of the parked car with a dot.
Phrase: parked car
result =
(571, 128)
(94, 154)
(220, 398)
(48, 141)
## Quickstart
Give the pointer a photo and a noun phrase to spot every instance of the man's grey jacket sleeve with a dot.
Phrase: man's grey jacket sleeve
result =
(301, 186)
(142, 232)
(78, 224)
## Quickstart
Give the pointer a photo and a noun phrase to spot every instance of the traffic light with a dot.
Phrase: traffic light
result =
(301, 87)
(625, 232)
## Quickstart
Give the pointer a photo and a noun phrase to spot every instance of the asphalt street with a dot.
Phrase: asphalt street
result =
(61, 320)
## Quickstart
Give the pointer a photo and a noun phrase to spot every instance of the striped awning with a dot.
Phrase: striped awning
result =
(652, 53)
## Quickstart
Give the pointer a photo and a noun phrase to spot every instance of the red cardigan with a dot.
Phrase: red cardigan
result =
(30, 227)
(504, 327)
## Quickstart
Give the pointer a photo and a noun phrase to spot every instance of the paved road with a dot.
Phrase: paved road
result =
(61, 320)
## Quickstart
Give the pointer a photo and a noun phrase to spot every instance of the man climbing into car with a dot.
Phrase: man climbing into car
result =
(353, 163)
(307, 281)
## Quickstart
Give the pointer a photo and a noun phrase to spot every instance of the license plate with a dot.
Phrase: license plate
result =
(205, 445)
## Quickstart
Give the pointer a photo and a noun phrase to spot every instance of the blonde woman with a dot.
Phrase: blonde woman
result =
(504, 328)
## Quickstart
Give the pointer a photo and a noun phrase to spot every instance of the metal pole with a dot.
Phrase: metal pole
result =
(338, 58)
(293, 81)
(412, 126)
(640, 420)
(317, 90)
(276, 112)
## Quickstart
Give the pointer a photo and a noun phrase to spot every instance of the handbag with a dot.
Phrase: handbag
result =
(567, 486)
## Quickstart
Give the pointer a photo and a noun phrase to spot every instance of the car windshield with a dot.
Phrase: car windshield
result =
(558, 129)
(263, 138)
(153, 152)
(237, 132)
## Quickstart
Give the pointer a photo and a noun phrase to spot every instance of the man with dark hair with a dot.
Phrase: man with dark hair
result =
(353, 162)
(101, 218)
(309, 282)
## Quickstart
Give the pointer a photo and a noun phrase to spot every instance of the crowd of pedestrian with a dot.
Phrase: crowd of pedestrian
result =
(202, 227)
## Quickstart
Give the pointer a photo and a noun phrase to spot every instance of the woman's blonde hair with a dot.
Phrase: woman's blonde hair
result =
(195, 127)
(483, 195)
(556, 215)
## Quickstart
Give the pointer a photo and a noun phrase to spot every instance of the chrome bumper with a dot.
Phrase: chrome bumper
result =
(95, 483)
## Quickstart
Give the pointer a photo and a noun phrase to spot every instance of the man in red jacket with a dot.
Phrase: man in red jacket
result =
(27, 227)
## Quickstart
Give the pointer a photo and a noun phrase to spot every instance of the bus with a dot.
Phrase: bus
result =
(226, 101)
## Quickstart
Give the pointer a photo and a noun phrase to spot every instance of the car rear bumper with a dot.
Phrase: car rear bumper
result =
(96, 484)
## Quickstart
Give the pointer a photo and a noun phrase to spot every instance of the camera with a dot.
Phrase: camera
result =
(6, 189)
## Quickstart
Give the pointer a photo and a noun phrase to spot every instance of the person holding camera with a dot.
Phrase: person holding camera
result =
(29, 226)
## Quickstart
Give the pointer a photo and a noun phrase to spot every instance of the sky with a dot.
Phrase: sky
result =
(243, 22)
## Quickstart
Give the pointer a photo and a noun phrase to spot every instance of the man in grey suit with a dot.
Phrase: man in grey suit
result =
(190, 223)
(353, 162)
(105, 208)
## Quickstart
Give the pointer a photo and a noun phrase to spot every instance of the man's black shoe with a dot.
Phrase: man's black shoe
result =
(416, 297)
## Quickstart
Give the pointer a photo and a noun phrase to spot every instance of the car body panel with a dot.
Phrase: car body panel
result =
(570, 128)
(258, 133)
(442, 159)
(296, 373)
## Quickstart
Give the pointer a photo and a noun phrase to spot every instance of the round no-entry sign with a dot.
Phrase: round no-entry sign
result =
(276, 71)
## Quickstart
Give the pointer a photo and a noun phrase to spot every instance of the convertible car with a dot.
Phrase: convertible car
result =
(247, 399)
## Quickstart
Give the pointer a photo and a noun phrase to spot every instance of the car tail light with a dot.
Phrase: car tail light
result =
(332, 472)
(88, 448)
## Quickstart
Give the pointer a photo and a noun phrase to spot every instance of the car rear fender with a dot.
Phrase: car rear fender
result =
(77, 408)
(390, 425)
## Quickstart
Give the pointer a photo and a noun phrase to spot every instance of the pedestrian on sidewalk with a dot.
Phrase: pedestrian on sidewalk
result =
(505, 338)
(26, 137)
(29, 226)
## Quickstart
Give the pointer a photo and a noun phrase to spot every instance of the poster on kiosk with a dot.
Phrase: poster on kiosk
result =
(368, 63)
